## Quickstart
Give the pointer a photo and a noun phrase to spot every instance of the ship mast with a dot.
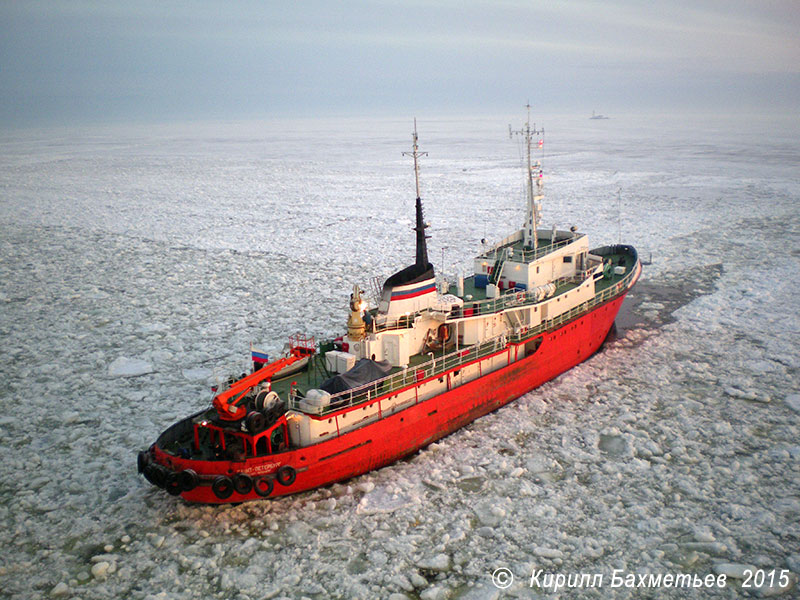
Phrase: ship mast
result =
(533, 213)
(416, 154)
(422, 248)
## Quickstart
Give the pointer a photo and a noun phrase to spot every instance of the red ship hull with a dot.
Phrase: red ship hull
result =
(393, 437)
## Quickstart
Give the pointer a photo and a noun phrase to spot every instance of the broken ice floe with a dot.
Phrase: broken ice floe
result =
(129, 367)
(178, 251)
(793, 402)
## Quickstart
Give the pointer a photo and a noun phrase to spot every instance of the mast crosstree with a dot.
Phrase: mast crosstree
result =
(422, 247)
(533, 215)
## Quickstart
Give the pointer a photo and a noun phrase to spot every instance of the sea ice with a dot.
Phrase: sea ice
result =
(129, 367)
(197, 374)
(793, 402)
(733, 570)
(382, 500)
(546, 552)
(440, 562)
(167, 252)
(61, 589)
(100, 569)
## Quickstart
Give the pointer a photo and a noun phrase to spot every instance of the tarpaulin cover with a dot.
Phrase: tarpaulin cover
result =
(364, 371)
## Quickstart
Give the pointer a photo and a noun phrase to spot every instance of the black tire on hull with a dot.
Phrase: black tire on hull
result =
(286, 475)
(155, 474)
(149, 472)
(263, 486)
(242, 483)
(189, 480)
(142, 460)
(222, 487)
(172, 483)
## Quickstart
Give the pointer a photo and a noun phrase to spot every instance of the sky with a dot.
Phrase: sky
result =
(82, 62)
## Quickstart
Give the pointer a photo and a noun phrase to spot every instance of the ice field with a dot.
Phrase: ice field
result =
(139, 263)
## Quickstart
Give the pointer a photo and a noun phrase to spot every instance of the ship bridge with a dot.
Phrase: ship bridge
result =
(513, 265)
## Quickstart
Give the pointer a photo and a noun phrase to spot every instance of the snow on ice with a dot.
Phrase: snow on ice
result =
(139, 265)
(129, 367)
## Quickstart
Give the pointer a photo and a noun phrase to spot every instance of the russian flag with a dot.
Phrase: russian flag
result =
(425, 288)
(259, 356)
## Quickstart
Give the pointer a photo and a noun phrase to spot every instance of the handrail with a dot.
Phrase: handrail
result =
(439, 365)
(482, 307)
(488, 305)
(401, 322)
(527, 255)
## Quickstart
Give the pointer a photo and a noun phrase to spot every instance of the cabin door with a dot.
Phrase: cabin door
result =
(391, 350)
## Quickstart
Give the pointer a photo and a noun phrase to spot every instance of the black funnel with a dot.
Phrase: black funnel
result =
(421, 270)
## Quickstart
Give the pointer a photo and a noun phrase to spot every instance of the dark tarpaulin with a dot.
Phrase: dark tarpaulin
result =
(364, 371)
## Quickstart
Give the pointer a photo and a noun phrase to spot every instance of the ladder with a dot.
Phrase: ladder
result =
(318, 364)
(376, 289)
(497, 271)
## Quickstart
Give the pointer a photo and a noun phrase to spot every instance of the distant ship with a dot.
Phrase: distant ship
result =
(425, 360)
(594, 116)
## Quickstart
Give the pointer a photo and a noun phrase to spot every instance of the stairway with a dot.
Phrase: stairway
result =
(497, 271)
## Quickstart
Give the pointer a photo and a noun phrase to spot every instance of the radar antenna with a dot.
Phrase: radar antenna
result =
(416, 154)
(533, 216)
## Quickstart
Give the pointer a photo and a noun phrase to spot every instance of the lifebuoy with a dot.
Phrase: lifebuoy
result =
(520, 297)
(242, 483)
(263, 486)
(222, 487)
(189, 480)
(286, 475)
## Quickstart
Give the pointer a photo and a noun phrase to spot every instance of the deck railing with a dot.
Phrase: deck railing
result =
(509, 299)
(527, 255)
(439, 365)
(502, 302)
